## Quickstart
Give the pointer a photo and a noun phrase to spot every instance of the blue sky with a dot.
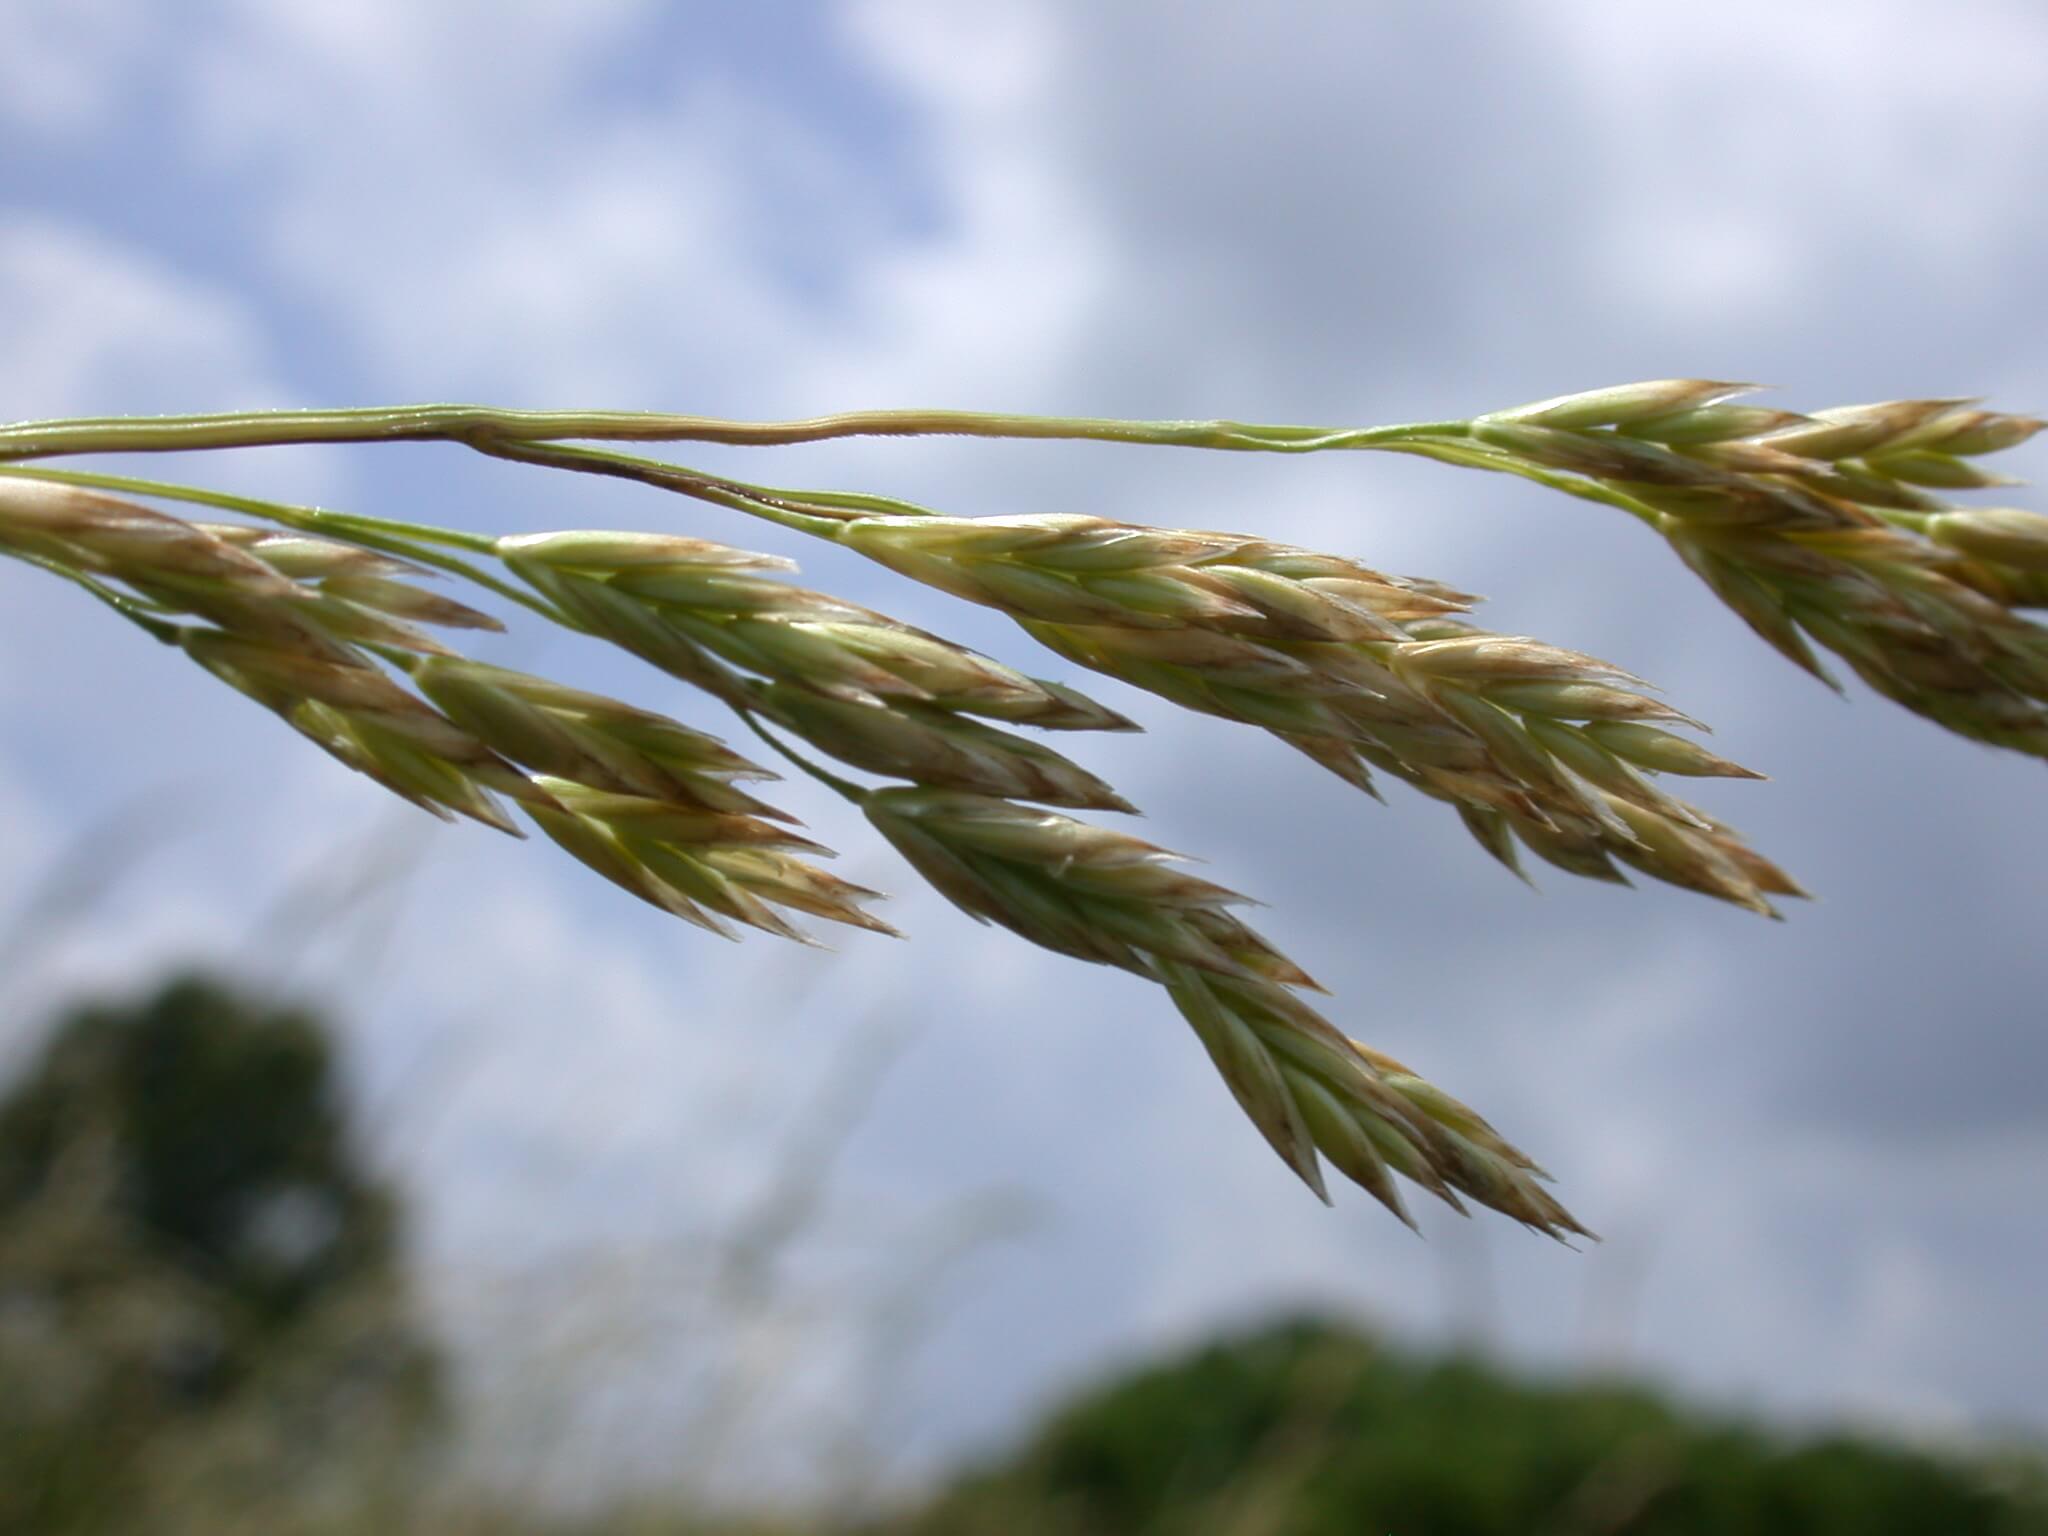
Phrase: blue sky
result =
(1816, 1148)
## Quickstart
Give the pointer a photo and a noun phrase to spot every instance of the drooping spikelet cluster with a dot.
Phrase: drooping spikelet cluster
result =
(1104, 896)
(872, 692)
(293, 621)
(1355, 668)
(1829, 528)
(893, 700)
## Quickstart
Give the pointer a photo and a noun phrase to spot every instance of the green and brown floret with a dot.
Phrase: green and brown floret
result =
(1566, 761)
(595, 741)
(1356, 669)
(344, 581)
(1079, 570)
(649, 803)
(702, 866)
(353, 710)
(870, 691)
(1106, 897)
(1825, 530)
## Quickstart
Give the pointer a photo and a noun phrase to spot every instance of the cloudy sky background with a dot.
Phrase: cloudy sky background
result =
(1816, 1148)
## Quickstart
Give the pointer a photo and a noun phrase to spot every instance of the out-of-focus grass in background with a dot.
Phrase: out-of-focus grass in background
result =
(211, 1319)
(210, 1322)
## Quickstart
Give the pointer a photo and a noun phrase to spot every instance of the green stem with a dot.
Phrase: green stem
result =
(1476, 456)
(129, 609)
(824, 514)
(465, 423)
(539, 437)
(846, 789)
(800, 510)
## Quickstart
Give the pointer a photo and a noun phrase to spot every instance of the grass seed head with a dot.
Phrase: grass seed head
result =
(694, 609)
(1101, 895)
(1827, 530)
(1622, 404)
(705, 867)
(1346, 664)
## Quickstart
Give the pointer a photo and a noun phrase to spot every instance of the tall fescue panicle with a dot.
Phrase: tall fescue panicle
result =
(1825, 532)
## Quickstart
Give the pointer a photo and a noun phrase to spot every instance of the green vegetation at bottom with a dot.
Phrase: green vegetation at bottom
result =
(1308, 1429)
(206, 1326)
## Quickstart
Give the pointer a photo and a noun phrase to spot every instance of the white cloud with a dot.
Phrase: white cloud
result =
(991, 304)
(491, 226)
(68, 66)
(491, 223)
(995, 61)
(1693, 260)
(92, 326)
(1738, 166)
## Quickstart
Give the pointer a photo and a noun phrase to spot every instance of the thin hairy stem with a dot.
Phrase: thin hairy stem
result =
(463, 423)
(1471, 455)
(789, 510)
(135, 612)
(846, 789)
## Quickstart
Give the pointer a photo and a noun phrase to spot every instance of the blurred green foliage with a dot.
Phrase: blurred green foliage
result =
(200, 1285)
(205, 1327)
(1308, 1429)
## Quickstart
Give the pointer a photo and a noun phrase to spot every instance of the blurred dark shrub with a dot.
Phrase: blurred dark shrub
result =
(201, 1295)
(1307, 1429)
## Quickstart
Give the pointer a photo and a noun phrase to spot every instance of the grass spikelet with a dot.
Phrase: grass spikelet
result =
(1825, 530)
(283, 643)
(706, 596)
(358, 714)
(702, 866)
(597, 742)
(1103, 896)
(1350, 666)
(874, 693)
